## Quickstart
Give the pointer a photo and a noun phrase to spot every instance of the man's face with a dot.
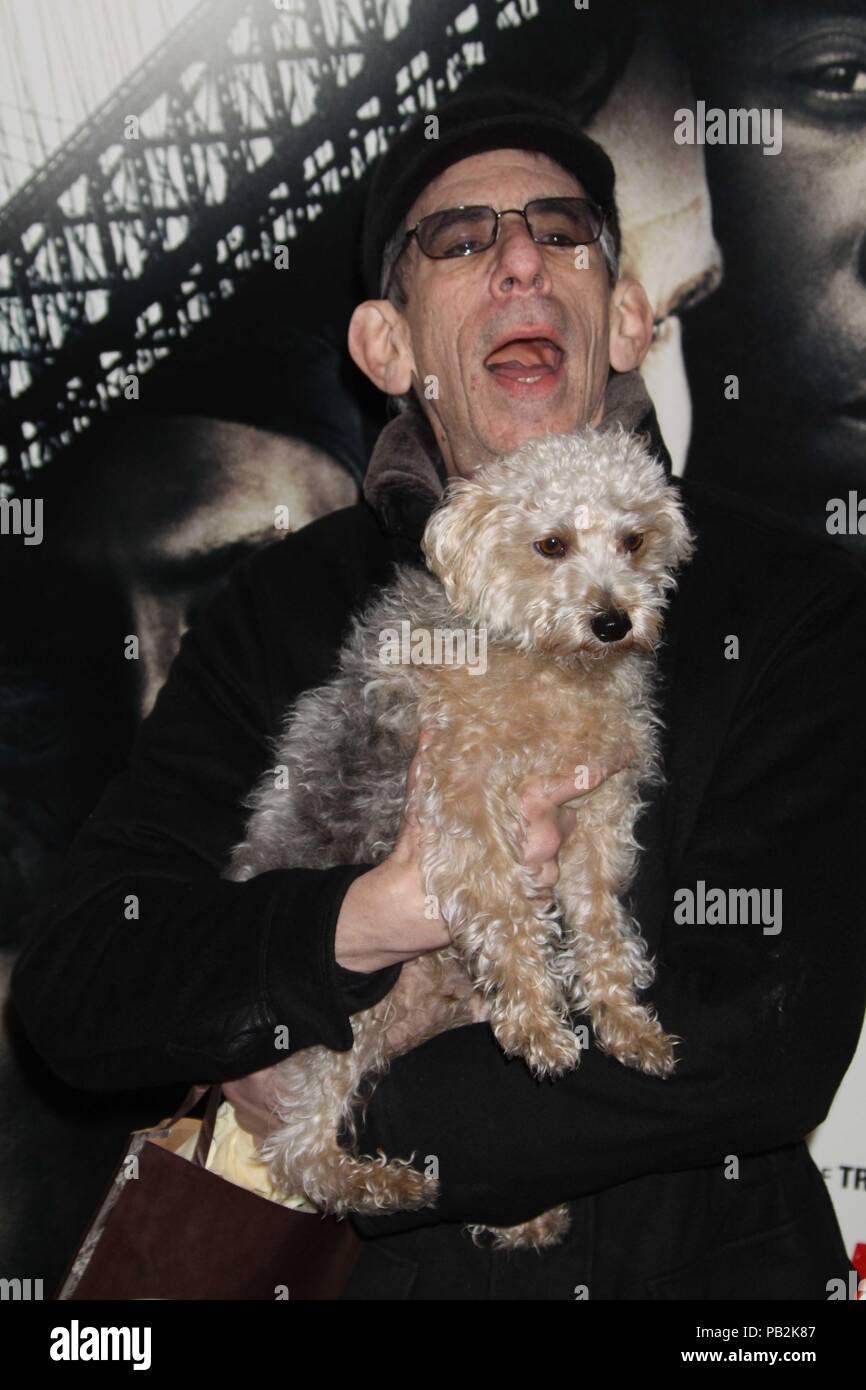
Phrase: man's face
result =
(463, 314)
(793, 226)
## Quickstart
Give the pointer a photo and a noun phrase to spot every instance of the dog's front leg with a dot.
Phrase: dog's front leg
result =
(472, 833)
(603, 960)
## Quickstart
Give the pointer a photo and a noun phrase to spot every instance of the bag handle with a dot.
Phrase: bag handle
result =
(205, 1136)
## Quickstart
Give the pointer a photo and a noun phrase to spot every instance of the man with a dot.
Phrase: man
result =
(151, 969)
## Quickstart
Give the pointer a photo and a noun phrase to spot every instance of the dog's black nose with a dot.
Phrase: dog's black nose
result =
(611, 626)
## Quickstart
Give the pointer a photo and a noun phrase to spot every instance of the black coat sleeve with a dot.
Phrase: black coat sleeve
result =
(146, 967)
(769, 1022)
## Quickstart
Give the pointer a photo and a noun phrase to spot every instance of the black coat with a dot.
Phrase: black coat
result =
(764, 757)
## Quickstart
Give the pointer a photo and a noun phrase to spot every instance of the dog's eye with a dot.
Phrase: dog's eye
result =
(551, 547)
(633, 541)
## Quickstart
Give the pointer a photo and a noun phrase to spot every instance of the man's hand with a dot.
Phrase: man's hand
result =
(253, 1098)
(385, 915)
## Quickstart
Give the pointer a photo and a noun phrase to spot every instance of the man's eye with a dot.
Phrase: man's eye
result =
(462, 247)
(843, 78)
(557, 239)
(551, 547)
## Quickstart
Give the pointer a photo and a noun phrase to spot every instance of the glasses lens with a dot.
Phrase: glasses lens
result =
(564, 221)
(457, 231)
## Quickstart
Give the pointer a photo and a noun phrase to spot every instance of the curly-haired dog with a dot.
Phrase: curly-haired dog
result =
(557, 561)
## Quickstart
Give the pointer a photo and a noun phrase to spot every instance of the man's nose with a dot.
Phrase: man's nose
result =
(519, 259)
(611, 626)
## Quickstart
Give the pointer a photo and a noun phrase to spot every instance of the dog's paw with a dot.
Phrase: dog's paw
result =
(378, 1188)
(650, 1051)
(656, 1054)
(549, 1051)
(538, 1234)
(416, 1190)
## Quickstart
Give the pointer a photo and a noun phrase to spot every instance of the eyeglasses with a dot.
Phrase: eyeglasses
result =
(465, 231)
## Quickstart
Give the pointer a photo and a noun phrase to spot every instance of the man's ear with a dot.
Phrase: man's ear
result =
(631, 325)
(378, 345)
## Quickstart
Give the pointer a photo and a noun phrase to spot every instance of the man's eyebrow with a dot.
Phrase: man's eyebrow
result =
(450, 207)
(536, 197)
(457, 208)
(199, 566)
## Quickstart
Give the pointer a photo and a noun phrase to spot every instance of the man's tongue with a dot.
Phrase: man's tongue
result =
(525, 357)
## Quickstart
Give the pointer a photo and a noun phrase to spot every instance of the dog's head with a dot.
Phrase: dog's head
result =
(567, 545)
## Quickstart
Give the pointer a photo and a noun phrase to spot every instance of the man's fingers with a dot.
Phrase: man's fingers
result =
(547, 874)
(557, 788)
(414, 773)
(543, 841)
(410, 828)
(254, 1099)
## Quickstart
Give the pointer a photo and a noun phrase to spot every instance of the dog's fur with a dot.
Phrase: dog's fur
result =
(554, 699)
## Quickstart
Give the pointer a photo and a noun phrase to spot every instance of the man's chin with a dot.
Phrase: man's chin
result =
(512, 421)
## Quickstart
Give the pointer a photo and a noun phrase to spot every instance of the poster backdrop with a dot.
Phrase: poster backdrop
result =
(180, 188)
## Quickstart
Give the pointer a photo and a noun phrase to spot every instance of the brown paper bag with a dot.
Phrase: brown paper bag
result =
(169, 1229)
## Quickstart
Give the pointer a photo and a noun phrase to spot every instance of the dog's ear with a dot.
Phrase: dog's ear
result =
(458, 544)
(671, 521)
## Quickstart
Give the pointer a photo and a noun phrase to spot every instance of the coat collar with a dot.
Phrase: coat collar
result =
(406, 476)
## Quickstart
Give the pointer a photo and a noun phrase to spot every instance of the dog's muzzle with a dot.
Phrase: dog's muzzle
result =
(611, 626)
